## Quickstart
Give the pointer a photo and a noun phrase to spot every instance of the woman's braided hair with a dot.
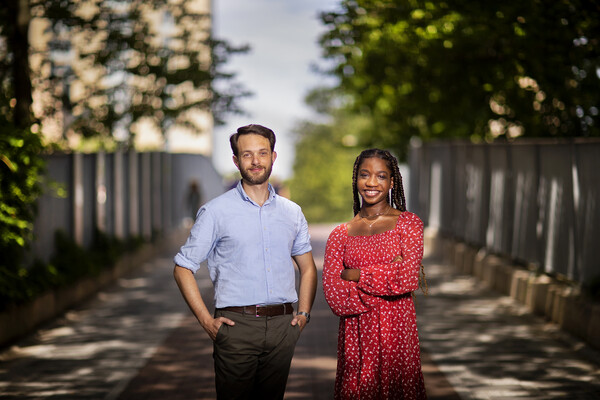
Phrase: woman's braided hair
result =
(397, 201)
(397, 198)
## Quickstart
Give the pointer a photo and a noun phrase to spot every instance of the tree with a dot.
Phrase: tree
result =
(14, 20)
(132, 61)
(129, 67)
(325, 154)
(463, 68)
(322, 182)
(20, 148)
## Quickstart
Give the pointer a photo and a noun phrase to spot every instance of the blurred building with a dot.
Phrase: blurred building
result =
(71, 85)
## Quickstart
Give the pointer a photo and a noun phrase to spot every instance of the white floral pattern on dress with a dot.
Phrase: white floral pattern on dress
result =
(378, 343)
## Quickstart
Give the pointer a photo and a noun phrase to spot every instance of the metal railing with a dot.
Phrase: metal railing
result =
(537, 202)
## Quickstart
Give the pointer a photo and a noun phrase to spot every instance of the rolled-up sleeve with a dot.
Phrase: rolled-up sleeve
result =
(199, 243)
(302, 242)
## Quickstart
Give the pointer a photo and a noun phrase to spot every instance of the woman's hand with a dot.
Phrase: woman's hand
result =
(349, 274)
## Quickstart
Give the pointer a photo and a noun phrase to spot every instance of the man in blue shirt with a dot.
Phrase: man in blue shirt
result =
(249, 236)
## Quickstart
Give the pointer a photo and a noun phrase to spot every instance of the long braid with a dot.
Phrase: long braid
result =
(398, 199)
(356, 200)
(398, 189)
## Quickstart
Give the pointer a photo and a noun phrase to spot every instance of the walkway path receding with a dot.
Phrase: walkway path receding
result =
(138, 340)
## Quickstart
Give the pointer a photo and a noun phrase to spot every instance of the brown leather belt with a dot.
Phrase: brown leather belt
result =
(271, 310)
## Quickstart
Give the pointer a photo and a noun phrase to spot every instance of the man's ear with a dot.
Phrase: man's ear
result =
(274, 156)
(236, 162)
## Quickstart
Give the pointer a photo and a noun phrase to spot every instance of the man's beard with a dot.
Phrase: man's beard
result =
(257, 179)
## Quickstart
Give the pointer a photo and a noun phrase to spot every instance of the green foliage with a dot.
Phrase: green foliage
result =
(462, 68)
(20, 169)
(322, 182)
(69, 263)
(21, 162)
(14, 287)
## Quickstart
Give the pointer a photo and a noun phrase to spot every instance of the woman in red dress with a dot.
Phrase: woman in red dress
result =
(372, 267)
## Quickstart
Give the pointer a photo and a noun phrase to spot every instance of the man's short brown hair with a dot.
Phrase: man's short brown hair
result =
(251, 129)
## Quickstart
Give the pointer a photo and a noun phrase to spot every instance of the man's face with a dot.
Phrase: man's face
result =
(255, 159)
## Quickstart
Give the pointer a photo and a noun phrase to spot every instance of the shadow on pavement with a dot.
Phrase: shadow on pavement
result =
(138, 340)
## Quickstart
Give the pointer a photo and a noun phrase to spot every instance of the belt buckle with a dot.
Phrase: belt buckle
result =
(256, 311)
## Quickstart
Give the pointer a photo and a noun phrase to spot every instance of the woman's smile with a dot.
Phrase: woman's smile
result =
(371, 193)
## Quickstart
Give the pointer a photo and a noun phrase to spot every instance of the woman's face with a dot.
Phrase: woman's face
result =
(374, 180)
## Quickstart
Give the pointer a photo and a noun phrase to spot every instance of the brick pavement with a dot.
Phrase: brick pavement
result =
(182, 367)
(92, 351)
(490, 347)
(137, 340)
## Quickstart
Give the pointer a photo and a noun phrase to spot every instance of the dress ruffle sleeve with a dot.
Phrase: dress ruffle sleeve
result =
(397, 278)
(342, 296)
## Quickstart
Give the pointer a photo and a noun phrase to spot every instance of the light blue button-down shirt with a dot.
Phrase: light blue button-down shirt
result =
(248, 248)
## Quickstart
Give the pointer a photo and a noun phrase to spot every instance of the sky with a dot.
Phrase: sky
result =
(283, 38)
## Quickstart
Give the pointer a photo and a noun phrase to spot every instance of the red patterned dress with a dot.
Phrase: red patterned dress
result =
(378, 344)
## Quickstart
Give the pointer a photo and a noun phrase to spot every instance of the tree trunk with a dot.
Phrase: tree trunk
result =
(19, 17)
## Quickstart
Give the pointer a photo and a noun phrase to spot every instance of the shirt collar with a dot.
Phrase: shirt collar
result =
(242, 193)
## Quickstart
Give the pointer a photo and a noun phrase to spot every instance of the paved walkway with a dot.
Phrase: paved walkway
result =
(137, 340)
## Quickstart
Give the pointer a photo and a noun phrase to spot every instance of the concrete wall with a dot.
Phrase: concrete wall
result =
(123, 194)
(557, 301)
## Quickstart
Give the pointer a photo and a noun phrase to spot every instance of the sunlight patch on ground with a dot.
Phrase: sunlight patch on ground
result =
(318, 363)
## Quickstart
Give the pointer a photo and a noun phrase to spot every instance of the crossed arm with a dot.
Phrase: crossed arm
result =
(350, 274)
(353, 291)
